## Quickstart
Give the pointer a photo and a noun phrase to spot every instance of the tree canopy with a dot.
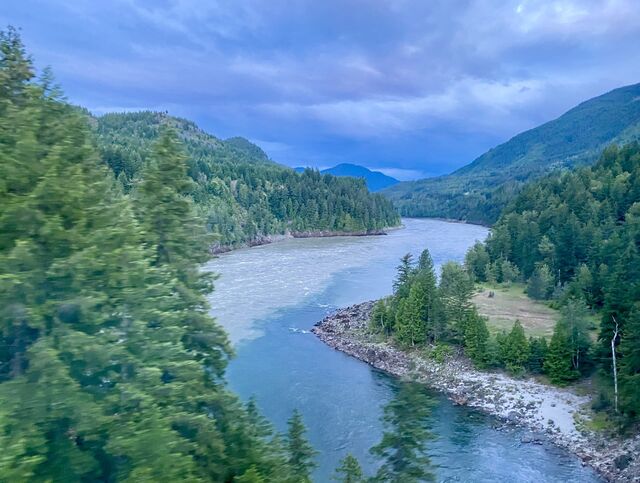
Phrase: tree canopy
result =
(111, 368)
(242, 195)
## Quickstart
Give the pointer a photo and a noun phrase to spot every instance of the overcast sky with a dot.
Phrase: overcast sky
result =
(415, 88)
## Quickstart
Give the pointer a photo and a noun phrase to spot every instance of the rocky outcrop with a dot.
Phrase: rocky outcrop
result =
(550, 413)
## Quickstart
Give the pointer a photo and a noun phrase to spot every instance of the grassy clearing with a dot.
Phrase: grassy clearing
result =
(511, 303)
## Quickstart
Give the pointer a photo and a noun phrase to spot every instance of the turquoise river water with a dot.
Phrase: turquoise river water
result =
(269, 297)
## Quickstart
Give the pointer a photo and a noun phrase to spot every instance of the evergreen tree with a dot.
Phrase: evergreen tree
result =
(477, 261)
(418, 317)
(402, 448)
(540, 284)
(410, 324)
(630, 364)
(538, 351)
(252, 475)
(167, 213)
(558, 362)
(179, 242)
(456, 291)
(382, 318)
(584, 284)
(476, 339)
(349, 471)
(300, 453)
(405, 270)
(432, 311)
(110, 365)
(425, 262)
(515, 349)
(79, 283)
(509, 272)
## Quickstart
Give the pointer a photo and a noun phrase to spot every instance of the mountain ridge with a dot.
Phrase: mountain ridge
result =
(478, 191)
(243, 195)
(375, 180)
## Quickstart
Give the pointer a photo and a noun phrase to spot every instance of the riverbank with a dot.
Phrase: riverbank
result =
(552, 413)
(217, 249)
(456, 220)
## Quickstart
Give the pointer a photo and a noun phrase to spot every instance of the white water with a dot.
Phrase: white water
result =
(255, 282)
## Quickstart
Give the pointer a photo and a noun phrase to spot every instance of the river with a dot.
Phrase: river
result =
(269, 297)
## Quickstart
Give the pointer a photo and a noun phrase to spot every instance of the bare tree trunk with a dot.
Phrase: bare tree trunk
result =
(615, 370)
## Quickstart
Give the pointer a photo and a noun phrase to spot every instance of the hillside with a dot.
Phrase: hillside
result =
(574, 238)
(375, 180)
(477, 192)
(243, 195)
(123, 137)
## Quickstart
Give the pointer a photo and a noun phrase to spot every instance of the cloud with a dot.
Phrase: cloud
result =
(389, 116)
(426, 84)
(402, 174)
(273, 148)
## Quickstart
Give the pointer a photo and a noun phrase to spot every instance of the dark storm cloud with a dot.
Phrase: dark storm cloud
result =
(394, 84)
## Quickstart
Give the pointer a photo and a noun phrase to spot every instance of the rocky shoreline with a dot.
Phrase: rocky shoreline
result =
(551, 413)
(217, 249)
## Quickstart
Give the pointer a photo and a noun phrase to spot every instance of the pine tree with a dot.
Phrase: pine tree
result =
(476, 339)
(515, 349)
(425, 262)
(79, 283)
(410, 325)
(477, 261)
(405, 270)
(630, 365)
(509, 271)
(418, 316)
(111, 365)
(300, 453)
(177, 237)
(584, 283)
(538, 352)
(432, 312)
(558, 362)
(252, 475)
(349, 471)
(456, 291)
(540, 284)
(402, 449)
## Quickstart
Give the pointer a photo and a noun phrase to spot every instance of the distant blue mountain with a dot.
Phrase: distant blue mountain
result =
(375, 179)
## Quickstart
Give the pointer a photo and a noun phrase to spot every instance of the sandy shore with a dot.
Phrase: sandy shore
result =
(553, 413)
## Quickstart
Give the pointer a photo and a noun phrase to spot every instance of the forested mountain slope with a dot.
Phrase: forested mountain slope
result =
(478, 191)
(576, 236)
(240, 192)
